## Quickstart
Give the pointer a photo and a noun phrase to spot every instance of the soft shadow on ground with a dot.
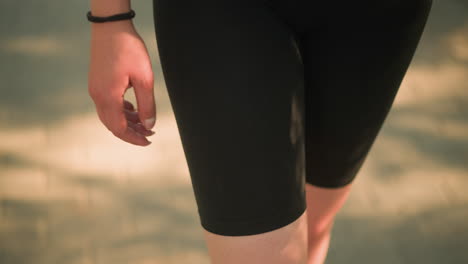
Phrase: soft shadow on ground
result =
(73, 217)
(70, 192)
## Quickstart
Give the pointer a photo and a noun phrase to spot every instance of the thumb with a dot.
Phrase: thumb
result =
(144, 94)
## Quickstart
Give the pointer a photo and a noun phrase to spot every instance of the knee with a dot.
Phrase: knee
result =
(319, 228)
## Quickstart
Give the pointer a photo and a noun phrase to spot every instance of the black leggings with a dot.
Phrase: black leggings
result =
(271, 94)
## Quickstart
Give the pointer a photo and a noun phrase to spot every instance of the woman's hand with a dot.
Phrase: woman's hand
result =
(119, 60)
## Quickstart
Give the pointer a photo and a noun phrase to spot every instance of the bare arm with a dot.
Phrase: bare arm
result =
(109, 7)
(119, 60)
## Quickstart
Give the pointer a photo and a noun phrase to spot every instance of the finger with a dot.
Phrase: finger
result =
(132, 116)
(128, 105)
(140, 129)
(116, 122)
(130, 135)
(145, 100)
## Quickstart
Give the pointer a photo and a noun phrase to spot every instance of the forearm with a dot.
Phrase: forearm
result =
(109, 7)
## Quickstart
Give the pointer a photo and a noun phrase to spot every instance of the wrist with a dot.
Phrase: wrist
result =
(119, 24)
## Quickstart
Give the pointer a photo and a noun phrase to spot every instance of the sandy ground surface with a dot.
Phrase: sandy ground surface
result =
(70, 192)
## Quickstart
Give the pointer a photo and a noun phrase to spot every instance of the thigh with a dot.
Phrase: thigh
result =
(354, 65)
(233, 75)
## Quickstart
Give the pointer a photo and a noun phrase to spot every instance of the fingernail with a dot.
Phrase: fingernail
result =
(149, 123)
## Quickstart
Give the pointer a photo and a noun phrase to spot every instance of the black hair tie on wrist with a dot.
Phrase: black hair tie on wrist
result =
(116, 17)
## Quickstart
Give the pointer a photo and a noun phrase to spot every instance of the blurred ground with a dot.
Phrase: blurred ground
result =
(70, 192)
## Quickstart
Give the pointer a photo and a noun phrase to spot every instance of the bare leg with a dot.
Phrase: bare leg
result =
(322, 206)
(286, 245)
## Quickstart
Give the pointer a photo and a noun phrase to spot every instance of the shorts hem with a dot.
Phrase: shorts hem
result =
(334, 185)
(253, 226)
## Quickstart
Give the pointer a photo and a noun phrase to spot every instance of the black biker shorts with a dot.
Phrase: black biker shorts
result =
(271, 94)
